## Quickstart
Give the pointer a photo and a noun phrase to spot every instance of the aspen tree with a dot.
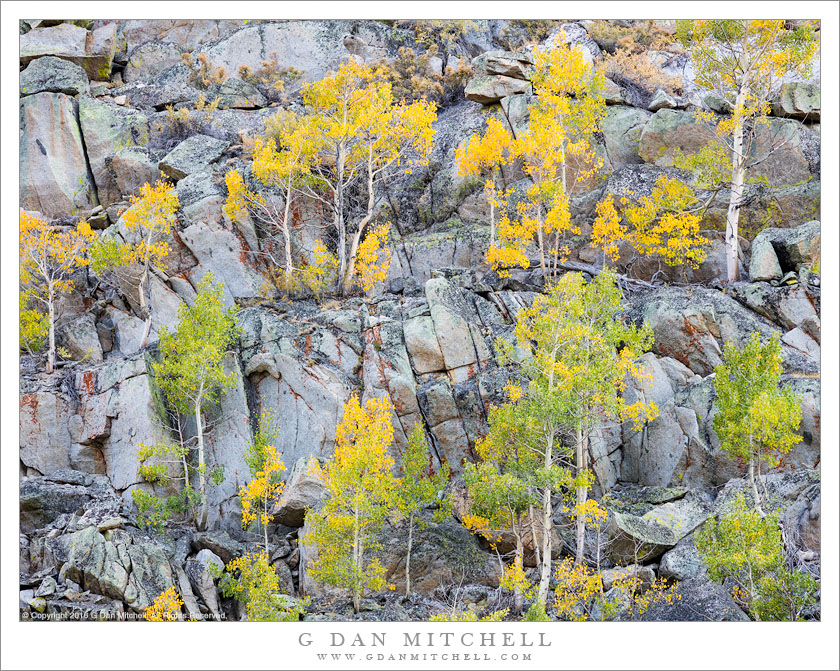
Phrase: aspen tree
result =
(152, 215)
(743, 61)
(580, 357)
(419, 487)
(756, 421)
(48, 257)
(191, 371)
(361, 489)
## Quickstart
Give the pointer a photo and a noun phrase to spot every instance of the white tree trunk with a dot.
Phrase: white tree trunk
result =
(735, 194)
(51, 347)
(201, 522)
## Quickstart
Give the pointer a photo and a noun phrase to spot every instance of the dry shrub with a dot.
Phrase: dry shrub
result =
(271, 79)
(640, 36)
(634, 69)
(202, 72)
(411, 77)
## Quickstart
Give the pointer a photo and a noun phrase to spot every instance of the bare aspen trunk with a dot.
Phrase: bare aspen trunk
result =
(517, 595)
(542, 247)
(347, 278)
(145, 292)
(265, 526)
(51, 348)
(756, 498)
(545, 569)
(736, 191)
(357, 564)
(202, 476)
(287, 235)
(408, 554)
(339, 213)
(580, 521)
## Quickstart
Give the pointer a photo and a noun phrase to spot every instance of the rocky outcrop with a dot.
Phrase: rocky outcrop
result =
(92, 50)
(55, 178)
(53, 75)
(799, 100)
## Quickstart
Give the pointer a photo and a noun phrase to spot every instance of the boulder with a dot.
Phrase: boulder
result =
(304, 489)
(461, 343)
(764, 264)
(306, 397)
(82, 340)
(576, 36)
(221, 251)
(42, 501)
(700, 600)
(795, 248)
(53, 75)
(640, 538)
(92, 50)
(516, 64)
(219, 544)
(150, 59)
(386, 371)
(132, 167)
(130, 569)
(237, 94)
(54, 175)
(442, 554)
(799, 100)
(613, 93)
(202, 581)
(487, 89)
(682, 562)
(186, 34)
(662, 100)
(622, 127)
(787, 306)
(422, 344)
(804, 342)
(192, 155)
(691, 326)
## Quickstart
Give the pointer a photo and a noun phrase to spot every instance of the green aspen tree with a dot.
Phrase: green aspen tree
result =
(420, 487)
(191, 371)
(756, 421)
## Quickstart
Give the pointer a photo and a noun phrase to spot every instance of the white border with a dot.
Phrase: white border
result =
(607, 646)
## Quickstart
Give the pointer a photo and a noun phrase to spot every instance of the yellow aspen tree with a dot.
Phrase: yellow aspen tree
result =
(568, 111)
(488, 154)
(607, 230)
(664, 224)
(756, 421)
(373, 258)
(396, 139)
(152, 215)
(48, 257)
(166, 607)
(364, 134)
(258, 497)
(283, 161)
(506, 485)
(743, 61)
(361, 488)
